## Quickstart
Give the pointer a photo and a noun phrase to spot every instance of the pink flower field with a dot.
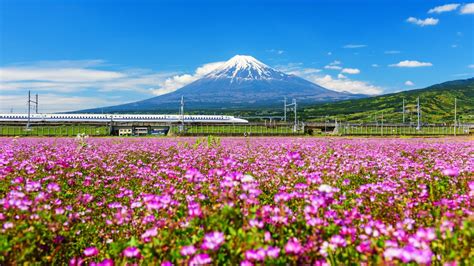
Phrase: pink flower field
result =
(236, 201)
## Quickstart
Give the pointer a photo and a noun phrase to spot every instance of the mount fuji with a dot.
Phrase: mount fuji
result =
(241, 82)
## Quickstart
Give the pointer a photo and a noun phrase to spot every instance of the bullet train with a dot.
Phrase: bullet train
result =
(222, 119)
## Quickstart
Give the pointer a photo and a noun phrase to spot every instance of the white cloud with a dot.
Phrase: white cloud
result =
(392, 52)
(468, 9)
(173, 83)
(375, 65)
(10, 74)
(51, 102)
(471, 66)
(276, 51)
(207, 68)
(423, 22)
(329, 53)
(334, 65)
(297, 69)
(350, 71)
(65, 76)
(409, 83)
(178, 81)
(354, 46)
(342, 83)
(443, 8)
(411, 63)
(347, 85)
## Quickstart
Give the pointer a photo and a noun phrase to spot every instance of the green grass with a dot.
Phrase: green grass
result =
(237, 129)
(386, 131)
(53, 131)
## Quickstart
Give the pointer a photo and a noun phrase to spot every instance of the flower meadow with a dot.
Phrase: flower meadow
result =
(236, 201)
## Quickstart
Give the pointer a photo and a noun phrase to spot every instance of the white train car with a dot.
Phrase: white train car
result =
(220, 119)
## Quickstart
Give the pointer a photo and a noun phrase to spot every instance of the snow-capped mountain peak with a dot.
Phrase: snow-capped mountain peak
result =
(244, 67)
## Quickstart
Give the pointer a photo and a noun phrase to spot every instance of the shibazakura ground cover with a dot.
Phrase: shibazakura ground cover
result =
(273, 201)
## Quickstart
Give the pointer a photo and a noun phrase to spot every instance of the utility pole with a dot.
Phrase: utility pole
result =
(455, 114)
(294, 102)
(284, 109)
(182, 113)
(29, 108)
(36, 103)
(418, 112)
(403, 110)
(381, 126)
(29, 100)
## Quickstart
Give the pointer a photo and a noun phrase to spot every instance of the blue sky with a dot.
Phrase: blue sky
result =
(80, 54)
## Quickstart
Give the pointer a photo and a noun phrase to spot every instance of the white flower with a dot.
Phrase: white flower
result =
(325, 188)
(247, 178)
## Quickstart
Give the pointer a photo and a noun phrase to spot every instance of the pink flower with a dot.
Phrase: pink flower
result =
(338, 241)
(293, 156)
(76, 261)
(293, 246)
(213, 240)
(255, 255)
(364, 247)
(193, 175)
(246, 263)
(194, 209)
(131, 252)
(452, 172)
(7, 225)
(91, 251)
(106, 262)
(188, 250)
(200, 259)
(150, 233)
(273, 252)
(53, 187)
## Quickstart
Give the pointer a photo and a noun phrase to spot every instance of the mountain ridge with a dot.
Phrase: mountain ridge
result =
(437, 105)
(240, 82)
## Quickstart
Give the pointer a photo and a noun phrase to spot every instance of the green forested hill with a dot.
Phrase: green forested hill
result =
(437, 105)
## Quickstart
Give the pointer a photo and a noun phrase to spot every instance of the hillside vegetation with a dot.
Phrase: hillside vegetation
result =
(437, 105)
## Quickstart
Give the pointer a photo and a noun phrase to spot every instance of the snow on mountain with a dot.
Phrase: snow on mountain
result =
(244, 67)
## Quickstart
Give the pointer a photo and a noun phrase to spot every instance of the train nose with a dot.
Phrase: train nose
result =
(240, 120)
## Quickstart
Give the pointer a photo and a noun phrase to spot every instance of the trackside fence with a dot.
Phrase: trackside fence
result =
(402, 130)
(251, 129)
(56, 131)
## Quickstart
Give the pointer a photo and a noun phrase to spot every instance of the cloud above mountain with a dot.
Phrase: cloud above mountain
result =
(343, 84)
(354, 46)
(411, 63)
(467, 9)
(444, 8)
(350, 71)
(177, 81)
(423, 22)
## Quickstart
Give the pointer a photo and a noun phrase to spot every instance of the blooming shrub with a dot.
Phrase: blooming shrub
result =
(236, 201)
